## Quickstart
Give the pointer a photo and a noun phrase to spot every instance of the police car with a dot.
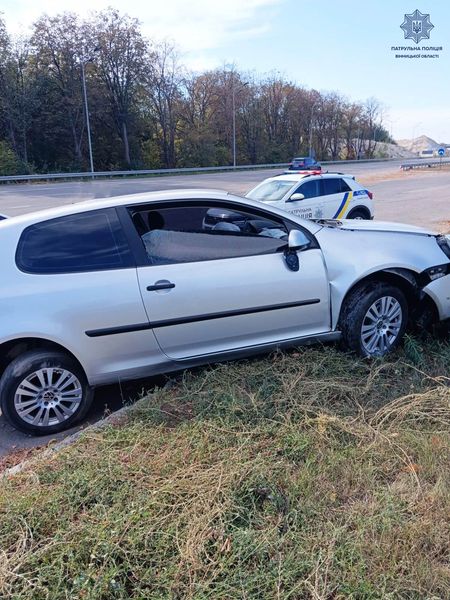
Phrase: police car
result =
(312, 195)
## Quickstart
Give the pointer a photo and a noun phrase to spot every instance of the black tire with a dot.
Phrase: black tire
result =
(354, 315)
(76, 399)
(359, 213)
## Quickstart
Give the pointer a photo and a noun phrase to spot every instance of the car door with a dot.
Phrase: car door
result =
(336, 197)
(82, 278)
(311, 205)
(208, 290)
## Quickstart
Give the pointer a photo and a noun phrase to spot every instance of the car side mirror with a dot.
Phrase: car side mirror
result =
(296, 197)
(297, 240)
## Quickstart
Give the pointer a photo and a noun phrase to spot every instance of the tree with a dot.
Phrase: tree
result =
(371, 114)
(300, 115)
(5, 108)
(21, 95)
(274, 93)
(197, 124)
(251, 124)
(59, 46)
(145, 108)
(351, 118)
(163, 91)
(120, 59)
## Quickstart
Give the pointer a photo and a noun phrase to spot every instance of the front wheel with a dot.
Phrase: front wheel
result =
(43, 392)
(373, 319)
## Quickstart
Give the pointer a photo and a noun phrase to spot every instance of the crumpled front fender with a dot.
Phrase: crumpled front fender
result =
(439, 292)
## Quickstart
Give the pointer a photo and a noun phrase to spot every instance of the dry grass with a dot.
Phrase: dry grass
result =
(304, 475)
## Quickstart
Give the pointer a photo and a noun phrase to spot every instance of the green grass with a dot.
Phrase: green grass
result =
(311, 474)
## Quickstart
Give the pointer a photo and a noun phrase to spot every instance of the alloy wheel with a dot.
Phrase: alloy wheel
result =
(48, 397)
(381, 325)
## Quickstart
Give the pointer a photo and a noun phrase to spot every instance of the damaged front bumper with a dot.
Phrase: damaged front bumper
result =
(439, 291)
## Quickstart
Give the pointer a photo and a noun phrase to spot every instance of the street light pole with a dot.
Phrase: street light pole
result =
(84, 61)
(234, 124)
(233, 96)
(311, 128)
(86, 110)
(310, 137)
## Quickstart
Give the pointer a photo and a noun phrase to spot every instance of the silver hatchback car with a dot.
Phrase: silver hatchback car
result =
(128, 287)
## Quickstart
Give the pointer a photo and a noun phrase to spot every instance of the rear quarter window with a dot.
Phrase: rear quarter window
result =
(334, 186)
(91, 241)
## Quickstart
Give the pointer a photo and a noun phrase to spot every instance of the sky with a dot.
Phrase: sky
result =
(326, 45)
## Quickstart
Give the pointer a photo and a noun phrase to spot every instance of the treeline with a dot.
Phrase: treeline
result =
(148, 111)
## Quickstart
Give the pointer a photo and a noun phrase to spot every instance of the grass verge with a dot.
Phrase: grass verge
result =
(311, 474)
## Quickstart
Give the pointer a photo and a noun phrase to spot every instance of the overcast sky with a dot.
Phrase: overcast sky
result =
(343, 46)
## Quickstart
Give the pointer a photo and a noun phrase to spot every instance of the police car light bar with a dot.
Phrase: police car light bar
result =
(305, 171)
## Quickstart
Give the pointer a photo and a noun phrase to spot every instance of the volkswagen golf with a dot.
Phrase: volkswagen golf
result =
(128, 287)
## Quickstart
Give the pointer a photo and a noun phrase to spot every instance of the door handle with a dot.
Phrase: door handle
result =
(162, 284)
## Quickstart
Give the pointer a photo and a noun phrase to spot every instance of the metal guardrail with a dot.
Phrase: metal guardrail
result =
(156, 172)
(101, 174)
(424, 164)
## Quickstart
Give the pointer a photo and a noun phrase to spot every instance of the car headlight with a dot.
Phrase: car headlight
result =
(438, 272)
(444, 244)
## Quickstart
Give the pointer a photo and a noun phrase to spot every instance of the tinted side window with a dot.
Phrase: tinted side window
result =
(92, 241)
(334, 186)
(199, 233)
(310, 189)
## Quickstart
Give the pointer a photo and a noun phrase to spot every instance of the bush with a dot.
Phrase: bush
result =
(9, 162)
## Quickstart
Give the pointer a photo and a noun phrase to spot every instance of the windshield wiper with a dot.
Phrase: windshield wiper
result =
(329, 222)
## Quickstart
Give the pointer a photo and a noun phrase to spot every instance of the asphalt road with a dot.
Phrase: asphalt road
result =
(416, 197)
(17, 199)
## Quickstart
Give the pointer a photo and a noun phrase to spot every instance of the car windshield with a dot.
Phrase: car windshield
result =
(271, 191)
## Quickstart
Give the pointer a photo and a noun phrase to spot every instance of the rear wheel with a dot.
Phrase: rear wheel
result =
(359, 213)
(374, 319)
(44, 392)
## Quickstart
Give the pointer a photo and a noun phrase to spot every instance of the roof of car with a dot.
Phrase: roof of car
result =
(185, 195)
(129, 199)
(299, 176)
